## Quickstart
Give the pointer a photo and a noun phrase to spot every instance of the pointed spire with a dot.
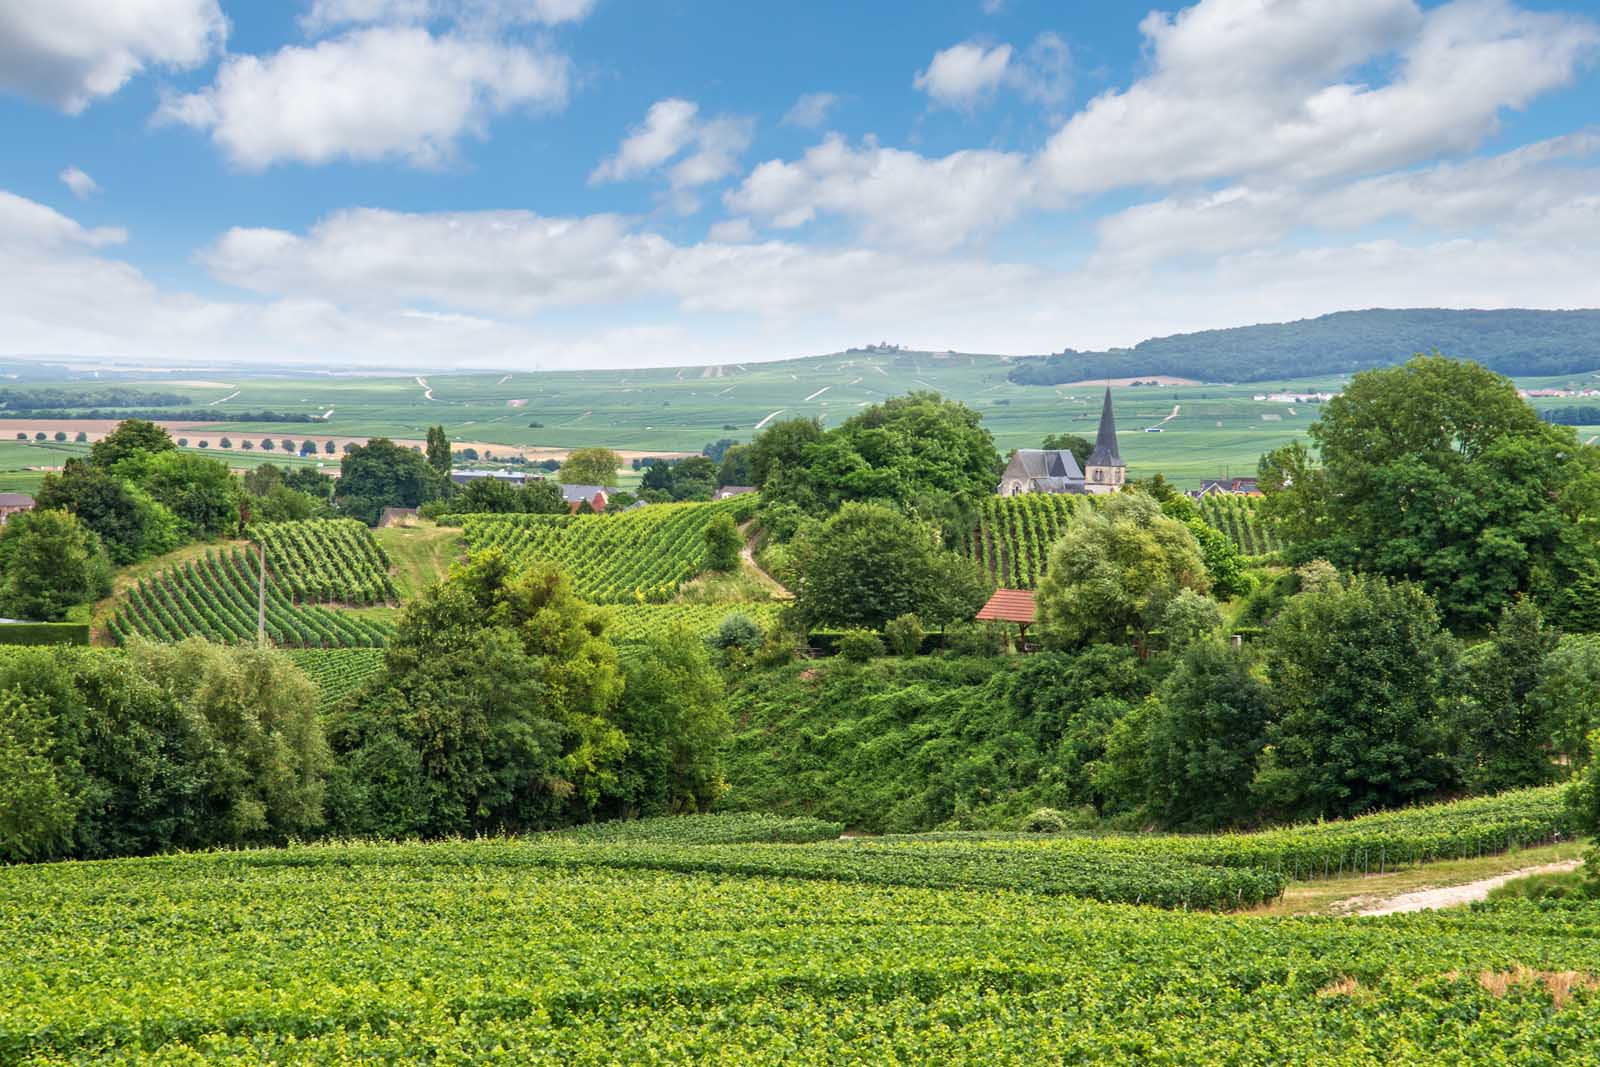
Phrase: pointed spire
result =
(1105, 452)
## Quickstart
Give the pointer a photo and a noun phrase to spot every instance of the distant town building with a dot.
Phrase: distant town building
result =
(577, 494)
(516, 478)
(12, 503)
(1232, 486)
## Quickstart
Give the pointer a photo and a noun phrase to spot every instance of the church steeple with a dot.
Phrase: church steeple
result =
(1105, 470)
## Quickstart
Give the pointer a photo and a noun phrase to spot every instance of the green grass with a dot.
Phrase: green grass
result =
(422, 554)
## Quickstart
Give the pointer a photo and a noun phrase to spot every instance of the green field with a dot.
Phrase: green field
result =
(670, 942)
(1205, 429)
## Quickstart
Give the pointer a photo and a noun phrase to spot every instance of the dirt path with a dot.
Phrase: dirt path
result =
(748, 554)
(1453, 895)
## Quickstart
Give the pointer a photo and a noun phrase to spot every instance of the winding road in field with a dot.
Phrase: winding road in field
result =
(1451, 896)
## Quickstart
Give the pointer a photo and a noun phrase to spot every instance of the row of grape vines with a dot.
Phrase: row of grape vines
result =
(632, 623)
(1014, 533)
(327, 560)
(215, 597)
(634, 557)
(338, 672)
(1236, 516)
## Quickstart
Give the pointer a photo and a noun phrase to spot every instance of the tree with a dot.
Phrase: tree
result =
(657, 477)
(131, 524)
(382, 474)
(1080, 447)
(1567, 696)
(1205, 734)
(439, 457)
(267, 444)
(493, 711)
(869, 564)
(131, 436)
(486, 496)
(1189, 619)
(1362, 676)
(736, 467)
(590, 466)
(1505, 736)
(61, 435)
(81, 437)
(723, 544)
(543, 498)
(49, 562)
(1437, 472)
(694, 478)
(226, 442)
(328, 447)
(1112, 576)
(782, 445)
(674, 717)
(201, 492)
(38, 802)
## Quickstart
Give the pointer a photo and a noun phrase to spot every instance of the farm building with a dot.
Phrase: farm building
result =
(577, 495)
(1234, 486)
(12, 503)
(515, 478)
(727, 491)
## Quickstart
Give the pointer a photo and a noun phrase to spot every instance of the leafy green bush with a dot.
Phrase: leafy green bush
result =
(44, 633)
(904, 634)
(859, 646)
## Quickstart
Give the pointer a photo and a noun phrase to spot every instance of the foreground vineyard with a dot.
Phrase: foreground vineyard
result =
(637, 556)
(215, 597)
(326, 560)
(334, 955)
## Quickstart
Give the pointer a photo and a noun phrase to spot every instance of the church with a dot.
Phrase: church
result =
(1038, 470)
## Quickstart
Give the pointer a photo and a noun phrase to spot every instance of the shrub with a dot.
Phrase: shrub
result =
(859, 646)
(972, 639)
(1045, 821)
(904, 634)
(737, 633)
(722, 544)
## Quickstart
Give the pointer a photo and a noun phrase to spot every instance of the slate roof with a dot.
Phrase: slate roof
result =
(15, 500)
(1009, 605)
(1046, 471)
(1105, 452)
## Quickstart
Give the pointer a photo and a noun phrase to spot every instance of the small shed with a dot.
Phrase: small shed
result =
(1010, 605)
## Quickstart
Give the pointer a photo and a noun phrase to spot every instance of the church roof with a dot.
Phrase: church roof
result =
(1045, 463)
(1105, 452)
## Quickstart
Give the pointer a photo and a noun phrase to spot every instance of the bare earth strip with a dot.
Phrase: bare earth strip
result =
(1451, 896)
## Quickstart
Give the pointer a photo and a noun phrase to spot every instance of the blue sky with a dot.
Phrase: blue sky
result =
(437, 183)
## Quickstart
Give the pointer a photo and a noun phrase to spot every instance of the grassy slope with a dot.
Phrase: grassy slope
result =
(422, 554)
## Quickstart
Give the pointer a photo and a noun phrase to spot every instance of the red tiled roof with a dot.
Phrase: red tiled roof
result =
(1009, 605)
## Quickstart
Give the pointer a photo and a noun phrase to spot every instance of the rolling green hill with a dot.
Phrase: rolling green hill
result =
(1513, 342)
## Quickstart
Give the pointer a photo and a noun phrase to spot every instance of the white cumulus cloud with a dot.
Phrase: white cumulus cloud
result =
(329, 14)
(69, 53)
(962, 75)
(81, 184)
(374, 94)
(671, 128)
(811, 110)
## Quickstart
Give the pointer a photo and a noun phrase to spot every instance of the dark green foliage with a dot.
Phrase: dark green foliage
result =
(1205, 733)
(868, 564)
(737, 634)
(904, 634)
(590, 466)
(694, 478)
(730, 829)
(1511, 342)
(39, 799)
(382, 474)
(47, 399)
(1437, 472)
(1362, 677)
(44, 633)
(131, 437)
(438, 451)
(501, 686)
(1506, 735)
(913, 744)
(723, 543)
(675, 718)
(129, 522)
(859, 646)
(202, 493)
(781, 446)
(49, 562)
(736, 466)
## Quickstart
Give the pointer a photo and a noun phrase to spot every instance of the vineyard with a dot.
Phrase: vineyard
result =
(1014, 534)
(215, 597)
(1236, 517)
(338, 672)
(639, 622)
(638, 556)
(694, 941)
(326, 560)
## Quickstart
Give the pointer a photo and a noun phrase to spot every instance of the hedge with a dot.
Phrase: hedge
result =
(44, 633)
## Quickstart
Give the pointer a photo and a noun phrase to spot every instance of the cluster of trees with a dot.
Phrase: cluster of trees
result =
(49, 399)
(501, 707)
(1510, 342)
(1437, 472)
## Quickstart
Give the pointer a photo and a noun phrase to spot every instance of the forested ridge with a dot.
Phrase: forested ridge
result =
(1512, 341)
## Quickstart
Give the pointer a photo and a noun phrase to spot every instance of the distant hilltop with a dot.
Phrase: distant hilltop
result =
(1513, 342)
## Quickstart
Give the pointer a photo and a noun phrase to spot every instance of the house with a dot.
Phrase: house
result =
(12, 503)
(1232, 486)
(727, 491)
(1038, 470)
(576, 495)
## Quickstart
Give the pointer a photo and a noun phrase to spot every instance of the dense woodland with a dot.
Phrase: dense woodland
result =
(1512, 342)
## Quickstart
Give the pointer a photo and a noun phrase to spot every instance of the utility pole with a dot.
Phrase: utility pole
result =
(261, 596)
